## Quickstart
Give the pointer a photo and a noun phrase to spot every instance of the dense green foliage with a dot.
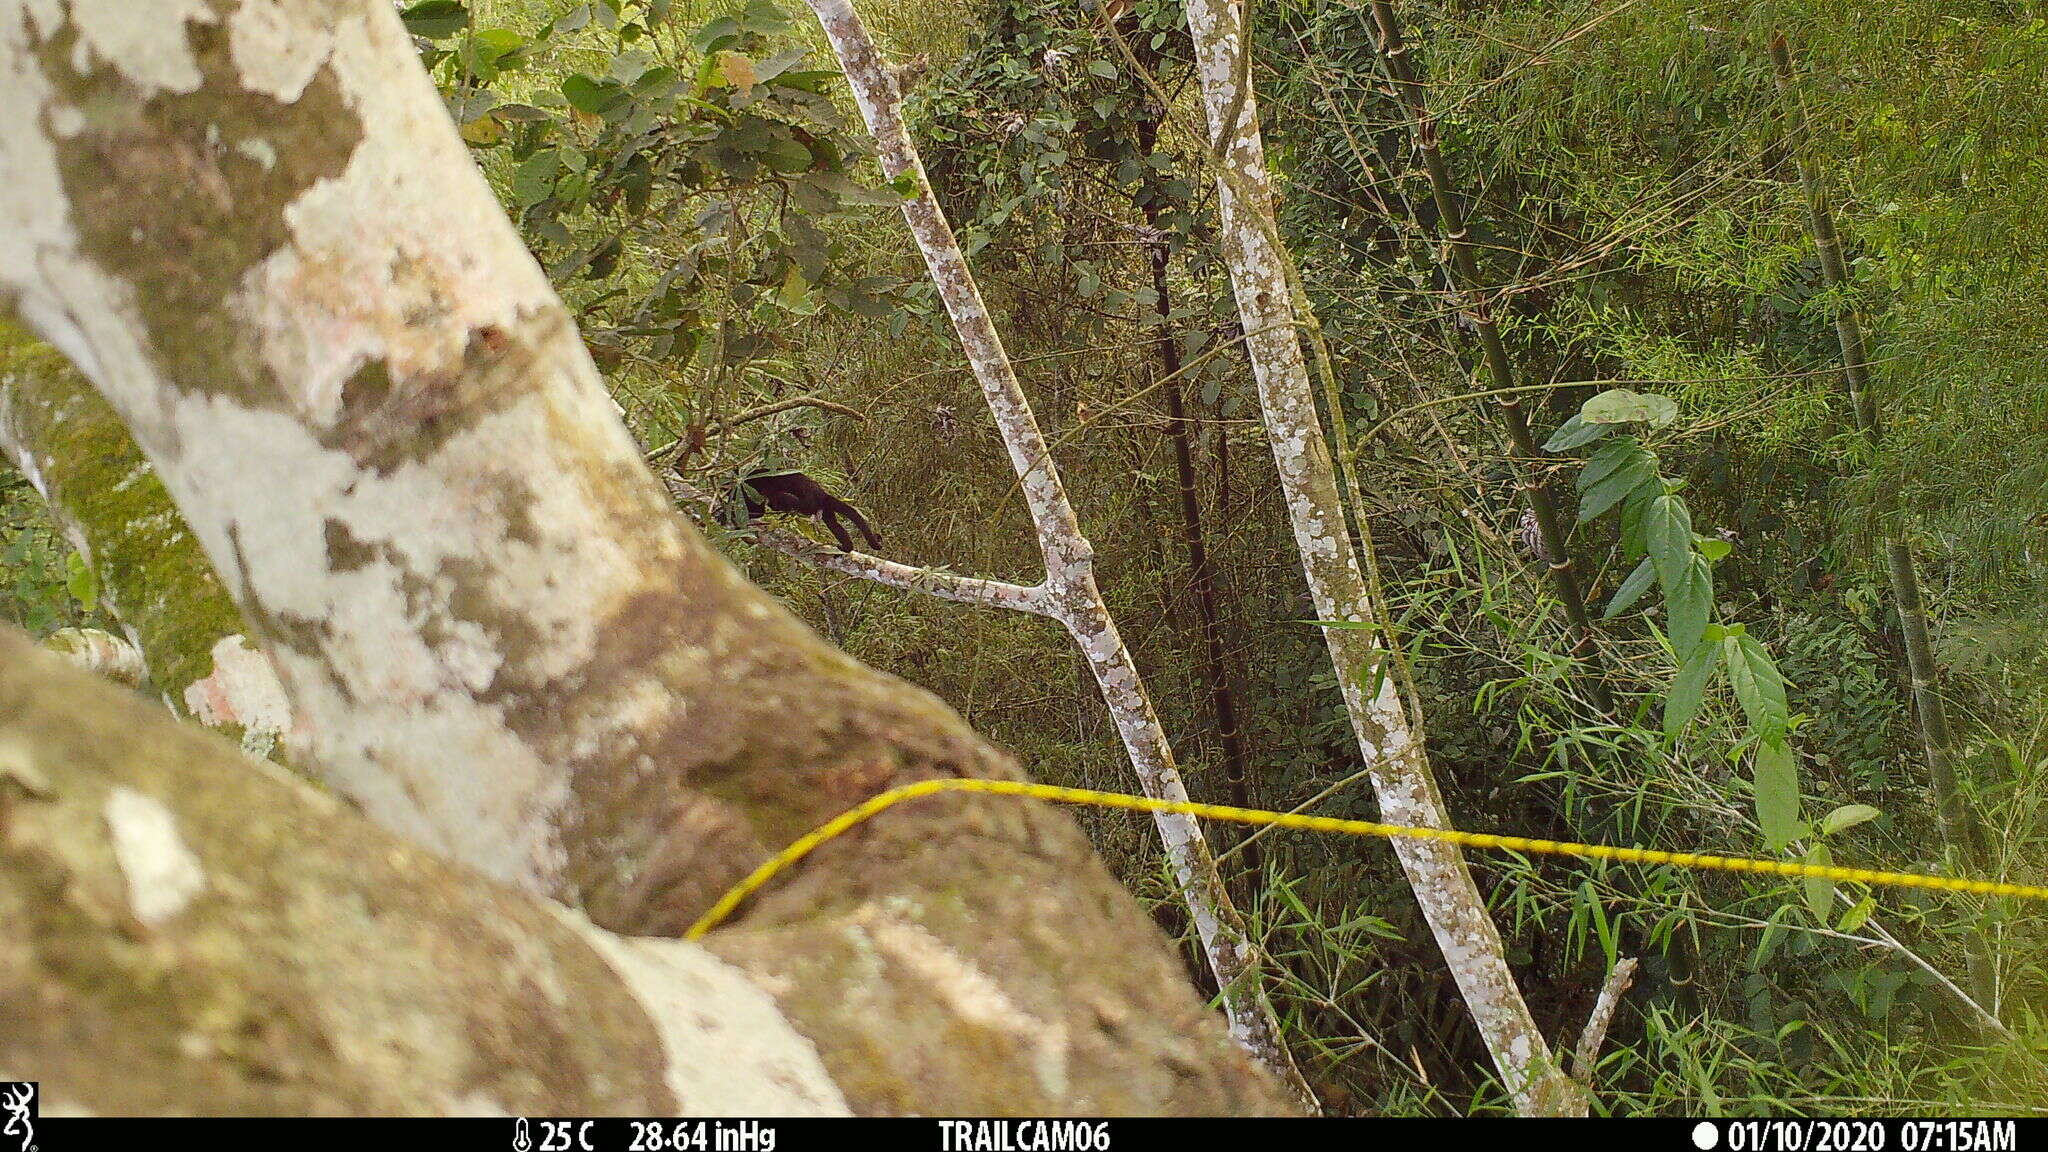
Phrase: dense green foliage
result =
(690, 176)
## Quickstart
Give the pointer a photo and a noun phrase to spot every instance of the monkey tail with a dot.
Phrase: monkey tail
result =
(874, 538)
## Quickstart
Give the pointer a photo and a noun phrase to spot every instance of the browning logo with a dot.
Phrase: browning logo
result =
(18, 1103)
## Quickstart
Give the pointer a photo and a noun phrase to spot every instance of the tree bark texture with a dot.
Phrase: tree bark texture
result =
(1069, 590)
(1389, 740)
(254, 229)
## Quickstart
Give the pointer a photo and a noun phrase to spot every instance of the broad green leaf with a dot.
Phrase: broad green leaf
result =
(1757, 684)
(500, 40)
(588, 94)
(787, 156)
(535, 179)
(1606, 460)
(1667, 537)
(764, 18)
(1621, 406)
(1616, 470)
(1575, 433)
(1102, 68)
(435, 19)
(1776, 785)
(1820, 894)
(1631, 589)
(1847, 816)
(776, 65)
(716, 34)
(1689, 688)
(1688, 606)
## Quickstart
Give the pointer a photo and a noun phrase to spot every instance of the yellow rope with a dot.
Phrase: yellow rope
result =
(883, 801)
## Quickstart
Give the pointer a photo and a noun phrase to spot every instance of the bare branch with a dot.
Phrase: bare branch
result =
(909, 577)
(1587, 1056)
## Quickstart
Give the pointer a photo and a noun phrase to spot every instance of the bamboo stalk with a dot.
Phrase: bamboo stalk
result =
(1194, 542)
(1462, 272)
(1962, 830)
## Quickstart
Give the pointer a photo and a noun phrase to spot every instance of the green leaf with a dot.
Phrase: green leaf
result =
(1689, 688)
(588, 94)
(1617, 469)
(1631, 590)
(716, 34)
(1102, 68)
(1606, 460)
(1847, 816)
(500, 40)
(520, 113)
(1855, 917)
(1776, 785)
(1667, 536)
(435, 19)
(776, 65)
(81, 581)
(1621, 406)
(1758, 685)
(764, 18)
(535, 179)
(1688, 606)
(1820, 894)
(1773, 935)
(1575, 433)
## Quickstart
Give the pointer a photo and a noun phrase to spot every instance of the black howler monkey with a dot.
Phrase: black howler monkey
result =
(798, 494)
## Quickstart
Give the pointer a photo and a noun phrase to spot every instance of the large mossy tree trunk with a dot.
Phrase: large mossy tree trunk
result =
(187, 933)
(255, 230)
(107, 500)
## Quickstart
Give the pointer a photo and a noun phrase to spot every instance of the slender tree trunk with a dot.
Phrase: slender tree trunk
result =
(1194, 542)
(1469, 294)
(1069, 590)
(1962, 830)
(1389, 739)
